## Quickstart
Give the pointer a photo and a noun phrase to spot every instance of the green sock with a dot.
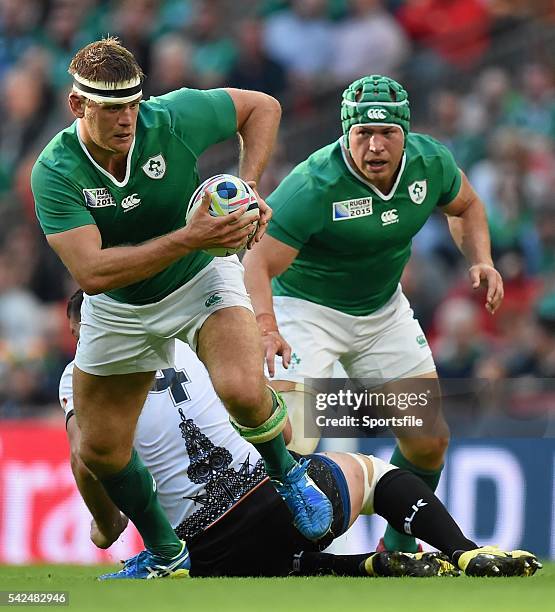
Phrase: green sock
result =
(393, 539)
(134, 492)
(277, 459)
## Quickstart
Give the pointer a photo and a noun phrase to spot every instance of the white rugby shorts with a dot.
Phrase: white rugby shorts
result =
(387, 344)
(118, 338)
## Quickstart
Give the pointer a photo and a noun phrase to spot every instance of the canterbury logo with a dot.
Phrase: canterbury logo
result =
(213, 299)
(389, 216)
(130, 201)
(376, 113)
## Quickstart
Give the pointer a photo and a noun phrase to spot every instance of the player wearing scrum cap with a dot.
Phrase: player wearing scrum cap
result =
(335, 250)
(111, 193)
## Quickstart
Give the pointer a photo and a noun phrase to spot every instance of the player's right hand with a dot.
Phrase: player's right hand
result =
(104, 537)
(274, 344)
(204, 231)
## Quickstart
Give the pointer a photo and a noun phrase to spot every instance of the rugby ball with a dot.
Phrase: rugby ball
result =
(227, 194)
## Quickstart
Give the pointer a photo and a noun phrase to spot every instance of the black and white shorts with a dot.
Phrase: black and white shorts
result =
(257, 537)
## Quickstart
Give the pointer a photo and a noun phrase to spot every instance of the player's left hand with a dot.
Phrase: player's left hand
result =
(265, 216)
(104, 538)
(487, 276)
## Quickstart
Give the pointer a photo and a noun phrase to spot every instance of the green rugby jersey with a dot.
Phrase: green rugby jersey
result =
(354, 241)
(72, 190)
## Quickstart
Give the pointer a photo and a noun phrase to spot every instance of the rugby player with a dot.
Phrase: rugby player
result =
(111, 193)
(216, 493)
(340, 237)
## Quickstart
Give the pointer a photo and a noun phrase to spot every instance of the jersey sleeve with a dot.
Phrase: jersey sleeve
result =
(296, 214)
(65, 391)
(452, 179)
(201, 118)
(58, 204)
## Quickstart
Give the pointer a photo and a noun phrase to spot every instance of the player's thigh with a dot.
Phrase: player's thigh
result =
(217, 287)
(114, 339)
(230, 346)
(317, 337)
(393, 346)
(107, 409)
(354, 475)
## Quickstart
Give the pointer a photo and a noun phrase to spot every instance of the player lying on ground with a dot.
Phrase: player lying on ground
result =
(215, 491)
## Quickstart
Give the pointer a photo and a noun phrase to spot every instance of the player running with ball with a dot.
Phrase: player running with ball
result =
(340, 237)
(111, 193)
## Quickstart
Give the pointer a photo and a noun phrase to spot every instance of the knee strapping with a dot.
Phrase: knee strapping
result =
(380, 468)
(271, 428)
(295, 400)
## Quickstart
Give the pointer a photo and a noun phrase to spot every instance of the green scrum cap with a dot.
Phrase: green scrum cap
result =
(375, 99)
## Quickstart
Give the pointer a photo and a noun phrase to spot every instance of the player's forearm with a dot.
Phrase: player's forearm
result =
(258, 136)
(258, 284)
(471, 234)
(120, 266)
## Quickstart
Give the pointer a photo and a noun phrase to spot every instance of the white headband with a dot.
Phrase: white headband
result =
(111, 93)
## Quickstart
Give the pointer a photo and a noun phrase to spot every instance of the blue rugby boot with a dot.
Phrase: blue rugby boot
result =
(311, 509)
(147, 565)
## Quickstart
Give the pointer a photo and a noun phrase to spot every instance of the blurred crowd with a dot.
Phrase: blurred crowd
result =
(481, 77)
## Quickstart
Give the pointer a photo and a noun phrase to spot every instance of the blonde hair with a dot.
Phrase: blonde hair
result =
(107, 61)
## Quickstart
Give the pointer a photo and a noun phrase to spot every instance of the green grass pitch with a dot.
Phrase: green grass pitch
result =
(534, 594)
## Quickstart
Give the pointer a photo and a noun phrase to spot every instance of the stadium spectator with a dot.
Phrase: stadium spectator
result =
(533, 110)
(484, 107)
(538, 357)
(457, 30)
(369, 41)
(300, 39)
(135, 21)
(172, 64)
(502, 181)
(459, 345)
(26, 109)
(254, 69)
(545, 224)
(18, 21)
(215, 52)
(466, 144)
(447, 35)
(175, 15)
(66, 29)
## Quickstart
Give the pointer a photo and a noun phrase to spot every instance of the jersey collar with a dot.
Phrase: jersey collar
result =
(385, 197)
(100, 168)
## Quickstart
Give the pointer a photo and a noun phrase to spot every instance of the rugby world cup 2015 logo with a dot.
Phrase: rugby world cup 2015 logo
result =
(352, 209)
(98, 198)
